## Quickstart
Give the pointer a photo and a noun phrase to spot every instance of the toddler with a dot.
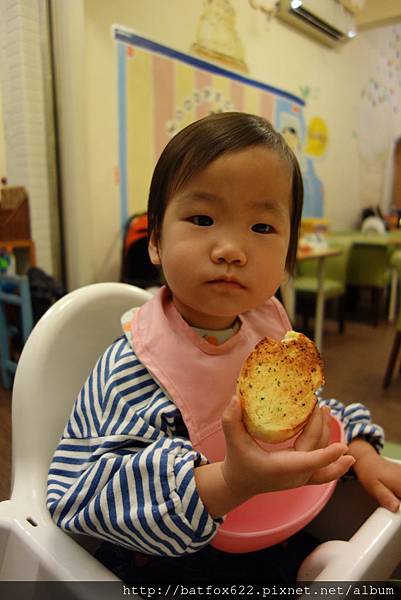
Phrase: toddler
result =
(137, 463)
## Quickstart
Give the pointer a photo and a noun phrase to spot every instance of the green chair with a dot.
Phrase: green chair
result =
(395, 262)
(335, 280)
(392, 450)
(369, 268)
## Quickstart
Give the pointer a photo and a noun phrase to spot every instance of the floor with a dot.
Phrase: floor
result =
(354, 368)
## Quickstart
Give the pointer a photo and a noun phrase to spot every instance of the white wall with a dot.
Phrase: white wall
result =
(172, 23)
(72, 106)
(3, 167)
(275, 54)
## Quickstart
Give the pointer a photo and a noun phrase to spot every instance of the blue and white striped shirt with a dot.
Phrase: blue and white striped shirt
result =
(124, 468)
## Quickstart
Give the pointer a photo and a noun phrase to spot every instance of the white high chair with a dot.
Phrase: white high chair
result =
(58, 356)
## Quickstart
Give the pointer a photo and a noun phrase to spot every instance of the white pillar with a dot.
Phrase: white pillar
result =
(71, 84)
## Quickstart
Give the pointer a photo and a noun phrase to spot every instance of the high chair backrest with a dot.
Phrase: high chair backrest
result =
(56, 360)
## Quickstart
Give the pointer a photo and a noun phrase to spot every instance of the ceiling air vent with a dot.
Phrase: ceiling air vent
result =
(326, 20)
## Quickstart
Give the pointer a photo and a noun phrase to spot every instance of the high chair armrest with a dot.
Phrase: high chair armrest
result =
(40, 551)
(371, 554)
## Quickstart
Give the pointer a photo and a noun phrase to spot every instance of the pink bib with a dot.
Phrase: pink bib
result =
(199, 377)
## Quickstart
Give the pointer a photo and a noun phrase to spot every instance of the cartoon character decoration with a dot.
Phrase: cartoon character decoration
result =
(317, 137)
(315, 148)
(308, 144)
(217, 37)
(291, 136)
(268, 7)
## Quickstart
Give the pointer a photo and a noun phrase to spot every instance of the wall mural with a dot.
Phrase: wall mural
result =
(314, 148)
(267, 7)
(379, 121)
(216, 35)
(161, 90)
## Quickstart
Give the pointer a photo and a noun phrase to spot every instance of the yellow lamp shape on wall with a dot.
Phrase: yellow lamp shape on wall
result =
(317, 137)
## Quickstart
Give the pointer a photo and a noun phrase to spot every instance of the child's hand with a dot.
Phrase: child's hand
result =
(248, 469)
(380, 478)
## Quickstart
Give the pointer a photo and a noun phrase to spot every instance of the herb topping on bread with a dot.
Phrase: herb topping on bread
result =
(277, 386)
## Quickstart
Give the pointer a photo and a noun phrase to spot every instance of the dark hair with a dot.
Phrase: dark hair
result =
(200, 143)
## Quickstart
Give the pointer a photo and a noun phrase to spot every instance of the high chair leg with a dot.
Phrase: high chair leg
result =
(392, 360)
(341, 312)
(376, 303)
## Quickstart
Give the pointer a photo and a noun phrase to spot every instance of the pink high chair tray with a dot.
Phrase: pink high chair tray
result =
(274, 516)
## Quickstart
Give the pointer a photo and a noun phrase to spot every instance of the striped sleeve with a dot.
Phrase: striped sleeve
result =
(120, 472)
(357, 422)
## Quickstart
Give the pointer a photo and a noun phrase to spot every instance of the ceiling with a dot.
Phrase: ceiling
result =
(375, 13)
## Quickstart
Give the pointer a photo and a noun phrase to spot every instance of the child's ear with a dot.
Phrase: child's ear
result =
(153, 249)
(285, 278)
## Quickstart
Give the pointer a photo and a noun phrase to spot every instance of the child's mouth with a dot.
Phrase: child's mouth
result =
(227, 283)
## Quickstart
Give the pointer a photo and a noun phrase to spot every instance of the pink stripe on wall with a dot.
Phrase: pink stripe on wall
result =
(266, 105)
(203, 79)
(163, 100)
(237, 95)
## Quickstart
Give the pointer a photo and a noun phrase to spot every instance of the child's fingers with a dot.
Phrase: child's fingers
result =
(233, 410)
(312, 433)
(326, 429)
(316, 459)
(384, 495)
(333, 471)
(393, 485)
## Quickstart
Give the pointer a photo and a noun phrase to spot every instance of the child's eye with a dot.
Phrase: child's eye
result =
(262, 228)
(201, 220)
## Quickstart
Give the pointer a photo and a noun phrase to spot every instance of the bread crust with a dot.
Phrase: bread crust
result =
(277, 386)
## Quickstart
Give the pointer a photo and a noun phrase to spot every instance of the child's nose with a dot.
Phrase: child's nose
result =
(229, 251)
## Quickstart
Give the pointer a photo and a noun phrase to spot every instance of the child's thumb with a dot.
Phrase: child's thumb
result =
(232, 417)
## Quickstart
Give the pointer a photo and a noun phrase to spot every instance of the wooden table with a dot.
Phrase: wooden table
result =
(288, 291)
(390, 238)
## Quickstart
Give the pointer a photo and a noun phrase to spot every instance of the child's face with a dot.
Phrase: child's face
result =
(225, 236)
